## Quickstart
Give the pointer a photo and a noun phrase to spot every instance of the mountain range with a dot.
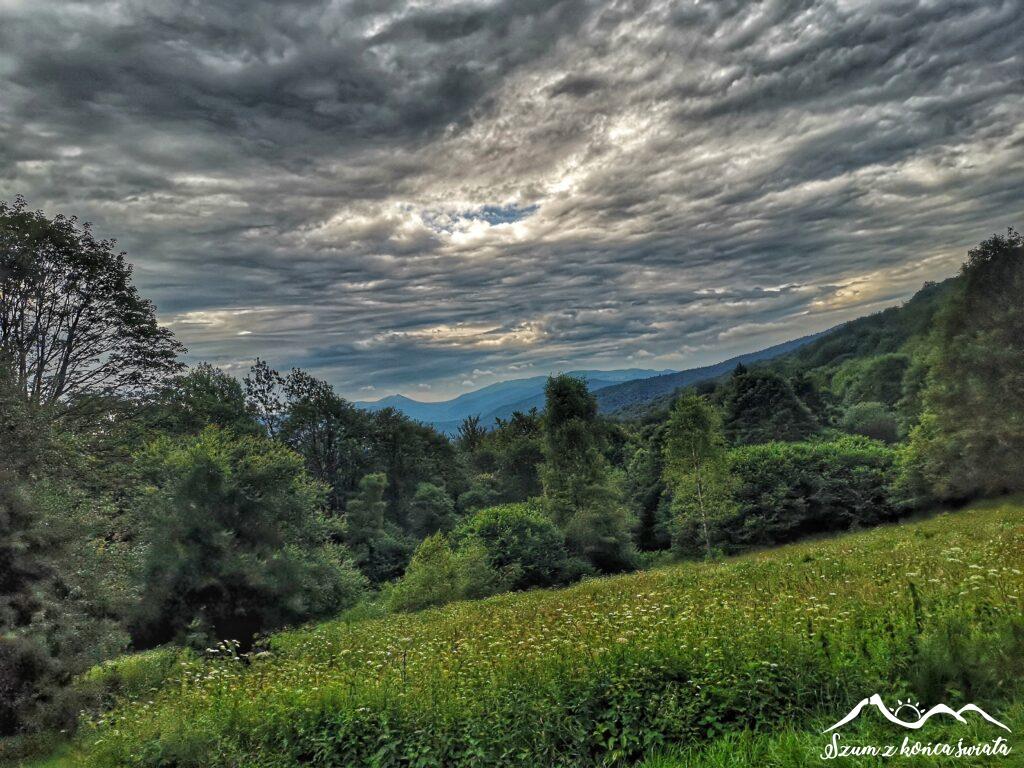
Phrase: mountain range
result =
(498, 400)
(615, 390)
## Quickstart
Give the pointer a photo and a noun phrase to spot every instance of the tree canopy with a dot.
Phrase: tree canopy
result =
(71, 321)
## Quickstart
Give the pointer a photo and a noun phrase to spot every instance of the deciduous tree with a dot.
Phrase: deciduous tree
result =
(71, 321)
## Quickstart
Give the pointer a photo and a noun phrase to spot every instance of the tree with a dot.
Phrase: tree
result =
(574, 474)
(71, 322)
(519, 452)
(380, 552)
(431, 510)
(696, 465)
(471, 433)
(523, 542)
(437, 574)
(263, 395)
(411, 453)
(578, 489)
(646, 492)
(760, 406)
(970, 439)
(873, 420)
(328, 431)
(238, 544)
(204, 396)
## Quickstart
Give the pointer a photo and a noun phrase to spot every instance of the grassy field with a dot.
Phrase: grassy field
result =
(701, 664)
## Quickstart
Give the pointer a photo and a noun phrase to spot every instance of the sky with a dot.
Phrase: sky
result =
(427, 197)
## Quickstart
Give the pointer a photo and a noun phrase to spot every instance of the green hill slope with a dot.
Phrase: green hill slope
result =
(612, 668)
(889, 331)
(639, 393)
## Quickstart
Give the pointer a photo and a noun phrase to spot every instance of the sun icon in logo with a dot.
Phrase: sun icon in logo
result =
(913, 710)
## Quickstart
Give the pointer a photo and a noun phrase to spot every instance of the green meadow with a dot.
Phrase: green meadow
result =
(739, 662)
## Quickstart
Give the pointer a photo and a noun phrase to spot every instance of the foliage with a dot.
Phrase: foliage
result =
(203, 396)
(29, 679)
(238, 544)
(697, 470)
(341, 443)
(410, 454)
(328, 432)
(504, 461)
(873, 379)
(760, 406)
(132, 676)
(578, 488)
(71, 322)
(605, 671)
(380, 552)
(430, 511)
(517, 443)
(788, 490)
(646, 491)
(437, 574)
(520, 540)
(871, 419)
(970, 441)
(22, 548)
(471, 434)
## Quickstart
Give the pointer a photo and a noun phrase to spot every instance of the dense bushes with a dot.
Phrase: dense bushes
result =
(598, 673)
(439, 574)
(522, 541)
(761, 406)
(510, 546)
(788, 490)
(871, 419)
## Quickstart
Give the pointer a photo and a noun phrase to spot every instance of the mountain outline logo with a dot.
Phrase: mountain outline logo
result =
(915, 709)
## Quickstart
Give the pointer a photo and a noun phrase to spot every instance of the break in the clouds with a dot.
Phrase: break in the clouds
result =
(403, 195)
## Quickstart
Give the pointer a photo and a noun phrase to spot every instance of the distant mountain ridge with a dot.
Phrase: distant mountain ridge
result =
(616, 390)
(498, 400)
(631, 393)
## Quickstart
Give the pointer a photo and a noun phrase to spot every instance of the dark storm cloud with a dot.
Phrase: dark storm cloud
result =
(401, 194)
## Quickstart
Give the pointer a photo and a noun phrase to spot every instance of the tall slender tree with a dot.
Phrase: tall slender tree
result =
(696, 466)
(580, 494)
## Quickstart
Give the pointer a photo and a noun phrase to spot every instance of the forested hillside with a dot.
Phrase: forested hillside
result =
(633, 398)
(888, 331)
(148, 505)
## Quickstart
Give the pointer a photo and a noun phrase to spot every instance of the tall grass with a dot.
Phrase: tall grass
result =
(611, 669)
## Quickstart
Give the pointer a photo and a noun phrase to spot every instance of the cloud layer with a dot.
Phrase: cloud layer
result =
(413, 196)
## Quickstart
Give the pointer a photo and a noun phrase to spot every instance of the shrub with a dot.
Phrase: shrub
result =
(29, 680)
(872, 419)
(437, 574)
(431, 510)
(130, 677)
(522, 540)
(789, 490)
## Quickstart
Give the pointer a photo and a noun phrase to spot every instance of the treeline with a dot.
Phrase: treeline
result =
(916, 406)
(143, 503)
